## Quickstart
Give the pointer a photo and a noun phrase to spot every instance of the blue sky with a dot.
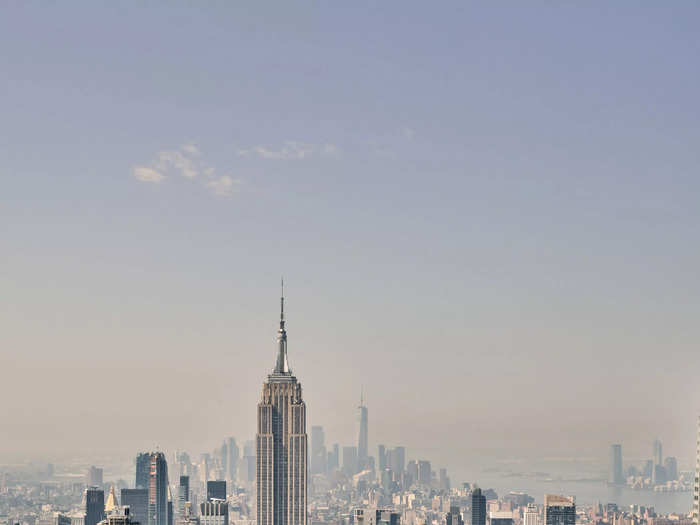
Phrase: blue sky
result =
(468, 202)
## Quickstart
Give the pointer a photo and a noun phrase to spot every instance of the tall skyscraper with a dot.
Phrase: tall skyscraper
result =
(559, 510)
(615, 473)
(696, 490)
(671, 467)
(425, 473)
(349, 461)
(183, 495)
(334, 458)
(93, 478)
(233, 456)
(478, 507)
(381, 458)
(143, 467)
(319, 459)
(362, 439)
(657, 453)
(282, 455)
(94, 505)
(397, 460)
(137, 501)
(158, 490)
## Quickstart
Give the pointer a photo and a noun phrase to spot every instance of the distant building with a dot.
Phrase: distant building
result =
(143, 465)
(137, 500)
(559, 510)
(425, 472)
(350, 461)
(397, 460)
(381, 458)
(696, 489)
(444, 479)
(334, 458)
(501, 518)
(657, 453)
(362, 440)
(118, 516)
(213, 512)
(157, 490)
(183, 495)
(531, 516)
(319, 459)
(216, 490)
(454, 517)
(93, 478)
(478, 507)
(615, 469)
(233, 457)
(94, 505)
(376, 517)
(671, 467)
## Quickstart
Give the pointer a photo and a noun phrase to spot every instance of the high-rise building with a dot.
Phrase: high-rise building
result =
(376, 517)
(478, 507)
(216, 489)
(143, 467)
(349, 461)
(381, 458)
(531, 516)
(183, 495)
(334, 458)
(696, 489)
(93, 478)
(319, 460)
(94, 505)
(282, 456)
(425, 473)
(158, 490)
(615, 472)
(396, 460)
(671, 468)
(137, 500)
(444, 479)
(454, 517)
(657, 453)
(362, 439)
(233, 456)
(559, 510)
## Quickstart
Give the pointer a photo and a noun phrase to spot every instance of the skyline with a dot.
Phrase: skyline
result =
(485, 216)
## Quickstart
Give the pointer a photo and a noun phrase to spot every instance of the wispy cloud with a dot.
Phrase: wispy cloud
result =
(146, 174)
(223, 185)
(291, 150)
(185, 162)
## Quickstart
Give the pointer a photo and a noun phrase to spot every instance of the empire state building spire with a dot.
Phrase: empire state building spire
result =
(282, 366)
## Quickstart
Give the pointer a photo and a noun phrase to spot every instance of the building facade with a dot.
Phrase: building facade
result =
(137, 501)
(559, 510)
(281, 444)
(158, 490)
(615, 473)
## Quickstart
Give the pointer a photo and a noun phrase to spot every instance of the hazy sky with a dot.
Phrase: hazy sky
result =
(488, 216)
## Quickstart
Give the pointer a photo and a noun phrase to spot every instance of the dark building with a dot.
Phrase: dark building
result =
(183, 495)
(158, 490)
(216, 489)
(454, 517)
(94, 502)
(478, 507)
(137, 501)
(559, 510)
(143, 465)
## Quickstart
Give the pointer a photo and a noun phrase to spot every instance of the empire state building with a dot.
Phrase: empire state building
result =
(281, 444)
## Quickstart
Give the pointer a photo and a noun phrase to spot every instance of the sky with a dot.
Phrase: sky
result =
(486, 215)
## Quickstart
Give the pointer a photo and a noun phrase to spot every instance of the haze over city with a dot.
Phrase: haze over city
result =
(486, 218)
